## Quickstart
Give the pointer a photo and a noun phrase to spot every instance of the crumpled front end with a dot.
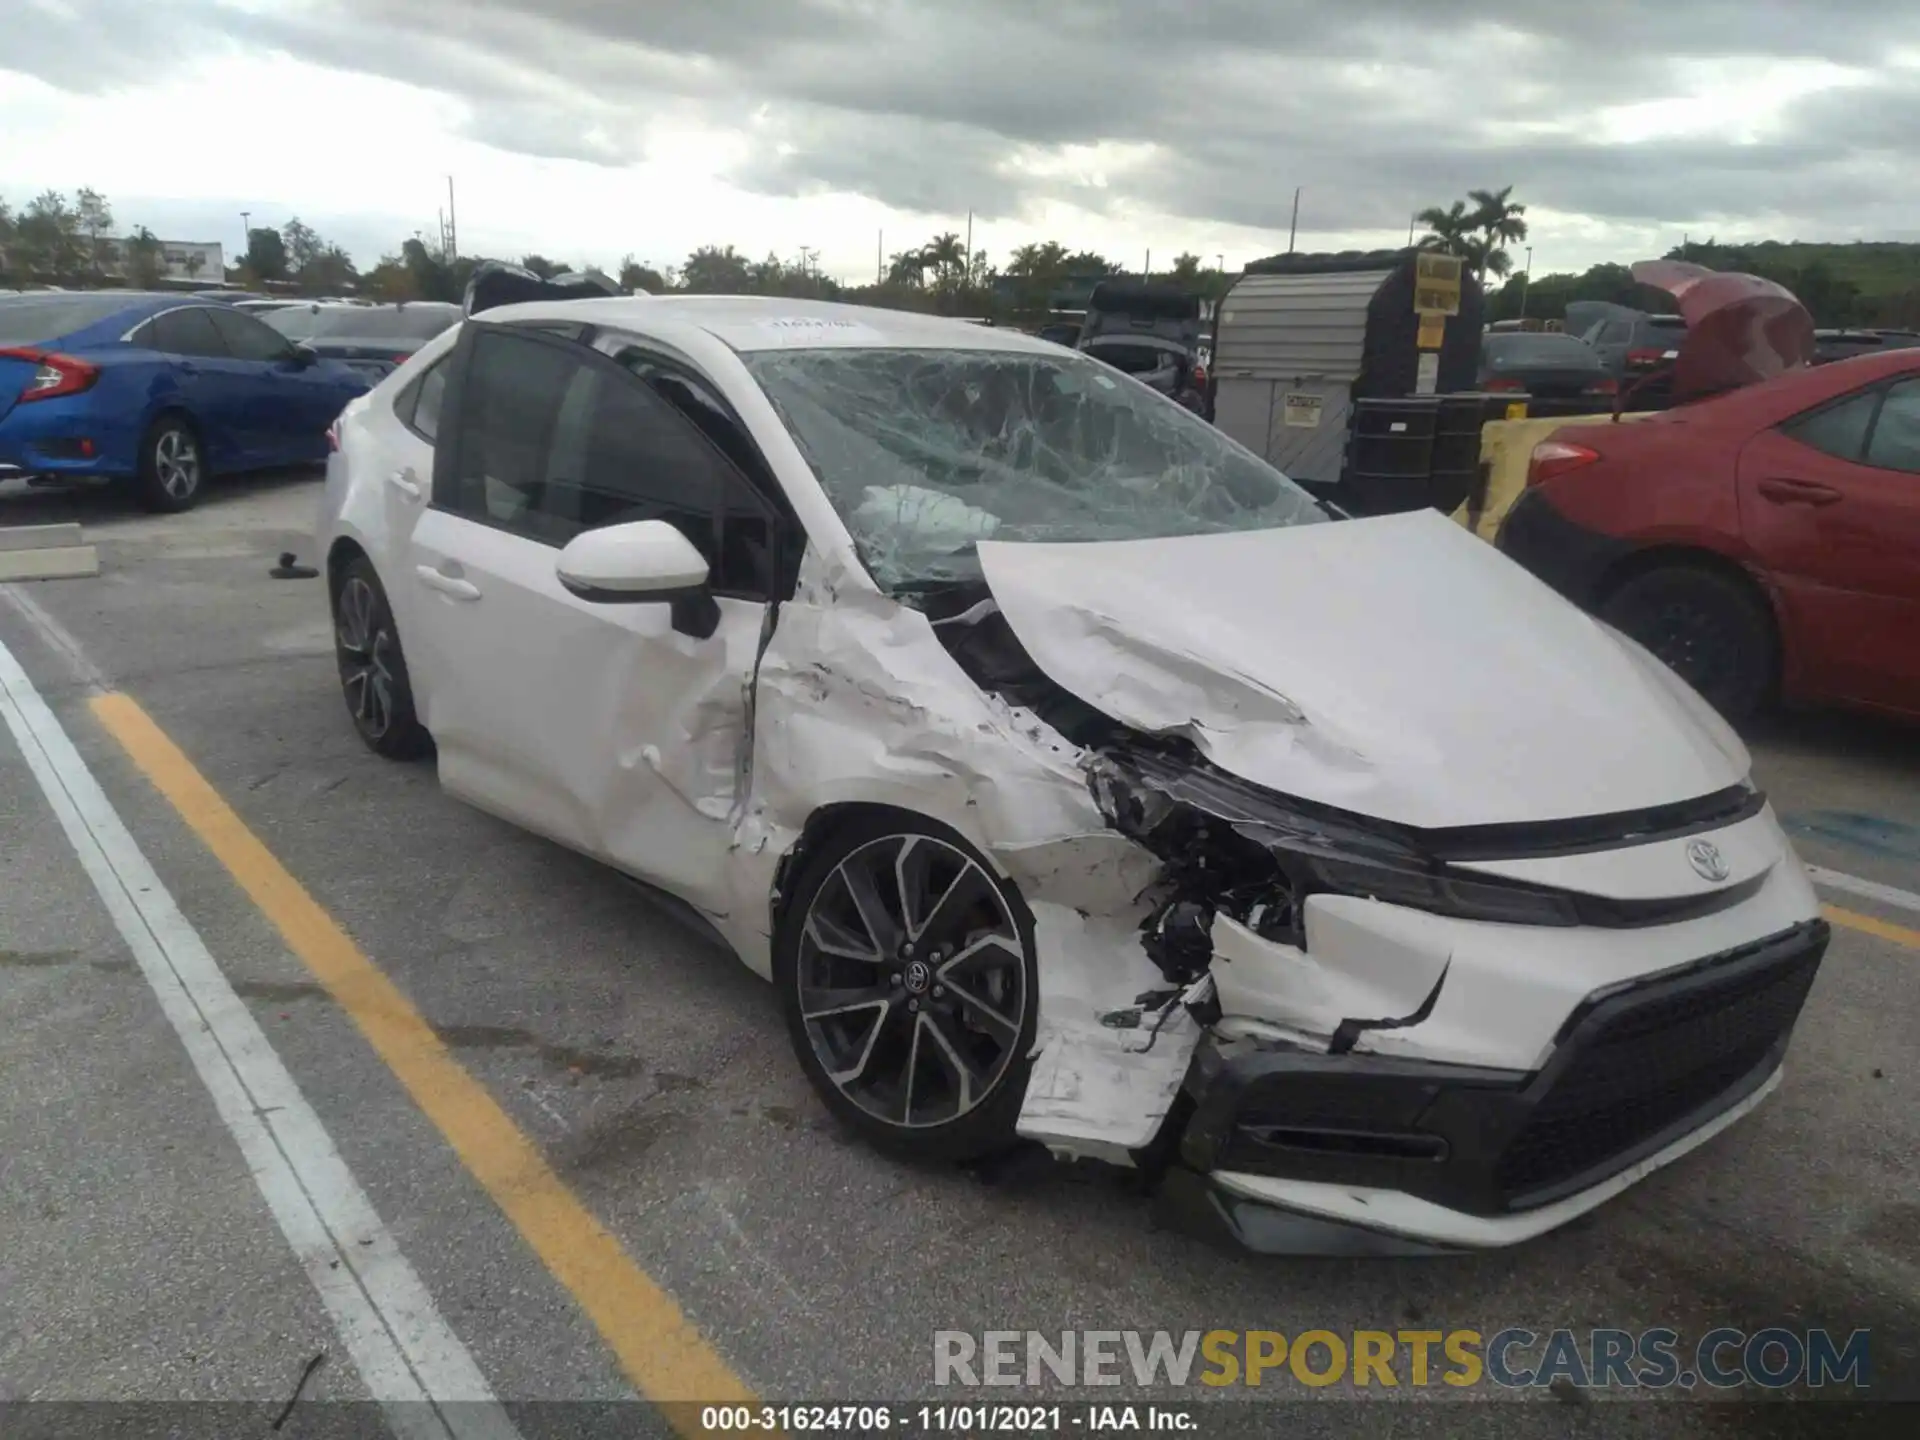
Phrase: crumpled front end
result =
(1313, 1029)
(1419, 1042)
(1324, 1031)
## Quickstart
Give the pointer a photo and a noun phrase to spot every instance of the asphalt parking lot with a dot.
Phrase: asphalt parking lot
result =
(666, 1128)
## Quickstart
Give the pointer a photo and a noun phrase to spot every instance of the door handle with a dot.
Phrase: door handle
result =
(1782, 491)
(449, 585)
(403, 481)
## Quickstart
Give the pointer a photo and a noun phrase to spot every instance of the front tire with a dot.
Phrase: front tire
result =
(1708, 628)
(173, 466)
(373, 670)
(906, 970)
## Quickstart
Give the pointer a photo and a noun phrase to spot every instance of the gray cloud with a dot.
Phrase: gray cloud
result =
(1377, 106)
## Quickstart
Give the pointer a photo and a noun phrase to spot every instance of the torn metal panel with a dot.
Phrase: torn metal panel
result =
(856, 701)
(1098, 1091)
(1375, 665)
(1345, 971)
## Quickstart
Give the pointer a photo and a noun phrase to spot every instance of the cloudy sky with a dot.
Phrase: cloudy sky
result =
(590, 129)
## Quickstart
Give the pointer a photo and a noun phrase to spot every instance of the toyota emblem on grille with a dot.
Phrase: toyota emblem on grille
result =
(1707, 861)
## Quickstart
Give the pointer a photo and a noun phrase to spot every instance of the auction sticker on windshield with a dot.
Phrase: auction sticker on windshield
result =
(1302, 411)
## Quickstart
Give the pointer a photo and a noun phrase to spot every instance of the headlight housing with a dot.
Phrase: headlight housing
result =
(1261, 855)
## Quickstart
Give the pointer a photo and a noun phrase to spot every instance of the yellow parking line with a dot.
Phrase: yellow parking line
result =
(1873, 925)
(657, 1346)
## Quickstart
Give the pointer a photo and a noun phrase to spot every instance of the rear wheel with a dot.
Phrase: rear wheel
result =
(172, 466)
(373, 671)
(1709, 629)
(906, 970)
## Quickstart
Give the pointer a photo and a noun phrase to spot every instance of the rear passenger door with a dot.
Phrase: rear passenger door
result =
(1830, 507)
(202, 373)
(601, 725)
(289, 405)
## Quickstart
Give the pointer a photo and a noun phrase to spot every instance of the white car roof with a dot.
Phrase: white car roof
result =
(766, 322)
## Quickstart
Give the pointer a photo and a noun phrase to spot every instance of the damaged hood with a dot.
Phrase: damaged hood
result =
(1396, 667)
(1741, 329)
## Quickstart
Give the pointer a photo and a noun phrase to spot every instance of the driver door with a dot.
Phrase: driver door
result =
(606, 726)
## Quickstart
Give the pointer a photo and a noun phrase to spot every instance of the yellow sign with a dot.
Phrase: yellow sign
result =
(1433, 330)
(1436, 283)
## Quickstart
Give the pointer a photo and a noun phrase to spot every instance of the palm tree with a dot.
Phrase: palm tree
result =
(946, 256)
(1501, 221)
(1449, 231)
(907, 267)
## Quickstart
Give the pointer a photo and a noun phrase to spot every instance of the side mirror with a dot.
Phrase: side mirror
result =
(643, 561)
(303, 357)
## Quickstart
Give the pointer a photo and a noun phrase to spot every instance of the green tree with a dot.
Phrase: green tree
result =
(637, 277)
(711, 270)
(391, 279)
(1501, 221)
(49, 241)
(946, 257)
(95, 219)
(301, 245)
(144, 263)
(907, 268)
(1450, 231)
(1186, 269)
(266, 257)
(329, 271)
(431, 276)
(546, 269)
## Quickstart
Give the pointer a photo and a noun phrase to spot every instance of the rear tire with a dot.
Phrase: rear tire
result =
(173, 466)
(1708, 628)
(373, 670)
(906, 970)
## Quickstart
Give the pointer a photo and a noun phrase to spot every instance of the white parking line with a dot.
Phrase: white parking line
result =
(407, 1355)
(1865, 889)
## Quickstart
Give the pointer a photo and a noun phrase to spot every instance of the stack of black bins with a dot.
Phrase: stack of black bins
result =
(1414, 452)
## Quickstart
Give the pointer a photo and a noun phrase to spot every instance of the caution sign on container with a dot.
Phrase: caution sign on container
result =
(1436, 284)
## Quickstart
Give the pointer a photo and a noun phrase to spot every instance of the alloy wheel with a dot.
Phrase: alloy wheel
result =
(912, 981)
(176, 463)
(366, 655)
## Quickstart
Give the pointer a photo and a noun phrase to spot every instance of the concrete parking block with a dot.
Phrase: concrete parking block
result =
(39, 537)
(59, 562)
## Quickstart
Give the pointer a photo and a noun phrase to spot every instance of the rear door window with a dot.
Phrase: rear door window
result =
(248, 338)
(1894, 443)
(1838, 429)
(188, 332)
(418, 406)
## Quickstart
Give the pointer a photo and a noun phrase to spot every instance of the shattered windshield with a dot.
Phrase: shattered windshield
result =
(926, 452)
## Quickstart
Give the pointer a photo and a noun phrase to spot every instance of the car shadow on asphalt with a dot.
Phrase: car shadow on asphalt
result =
(21, 504)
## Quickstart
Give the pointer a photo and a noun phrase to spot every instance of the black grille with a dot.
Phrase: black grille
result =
(1649, 1059)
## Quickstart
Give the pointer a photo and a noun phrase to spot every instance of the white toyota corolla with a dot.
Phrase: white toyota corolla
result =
(1071, 773)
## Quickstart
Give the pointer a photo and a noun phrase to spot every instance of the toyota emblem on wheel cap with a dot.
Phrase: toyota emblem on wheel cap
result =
(918, 977)
(1707, 861)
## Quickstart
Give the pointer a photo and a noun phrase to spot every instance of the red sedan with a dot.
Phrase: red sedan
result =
(1763, 543)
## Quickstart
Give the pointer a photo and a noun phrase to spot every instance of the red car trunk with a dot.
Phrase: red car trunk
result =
(1740, 328)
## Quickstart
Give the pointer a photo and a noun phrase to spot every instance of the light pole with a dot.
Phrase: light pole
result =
(246, 234)
(1526, 282)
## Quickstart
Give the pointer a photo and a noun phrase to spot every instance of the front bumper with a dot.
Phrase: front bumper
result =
(1286, 1150)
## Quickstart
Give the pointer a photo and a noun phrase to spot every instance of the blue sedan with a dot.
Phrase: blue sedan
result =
(159, 392)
